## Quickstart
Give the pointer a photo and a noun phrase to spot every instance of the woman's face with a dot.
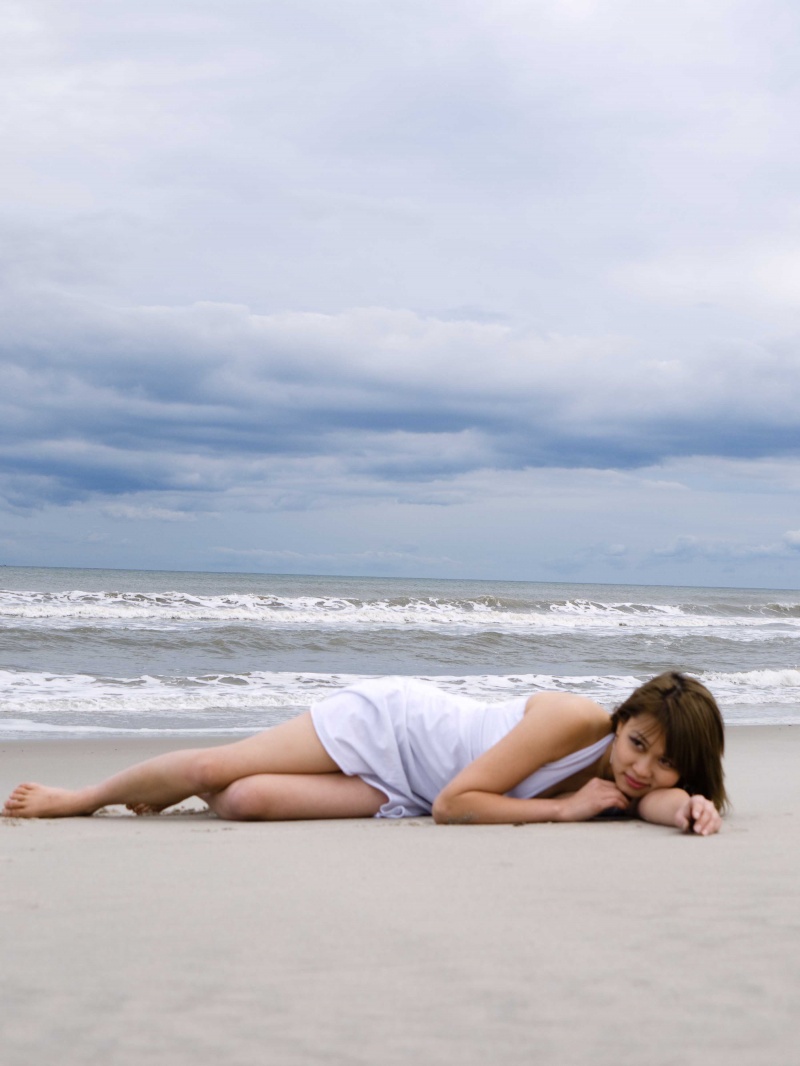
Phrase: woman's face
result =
(638, 762)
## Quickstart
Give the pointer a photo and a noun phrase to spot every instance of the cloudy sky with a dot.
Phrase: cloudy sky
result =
(449, 288)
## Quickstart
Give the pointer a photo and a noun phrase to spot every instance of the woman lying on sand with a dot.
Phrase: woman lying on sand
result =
(397, 747)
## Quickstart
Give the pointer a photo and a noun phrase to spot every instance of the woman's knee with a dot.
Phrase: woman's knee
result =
(241, 802)
(206, 770)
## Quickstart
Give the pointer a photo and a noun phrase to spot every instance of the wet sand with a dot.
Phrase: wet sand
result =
(184, 939)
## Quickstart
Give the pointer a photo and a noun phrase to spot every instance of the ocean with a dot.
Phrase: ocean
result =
(119, 652)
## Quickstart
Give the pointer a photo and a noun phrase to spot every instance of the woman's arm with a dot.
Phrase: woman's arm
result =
(486, 808)
(674, 806)
(554, 725)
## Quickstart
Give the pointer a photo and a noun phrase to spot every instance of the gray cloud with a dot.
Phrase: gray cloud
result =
(101, 400)
(113, 401)
(282, 255)
(723, 550)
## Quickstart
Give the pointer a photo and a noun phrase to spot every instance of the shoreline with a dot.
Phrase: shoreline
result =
(189, 939)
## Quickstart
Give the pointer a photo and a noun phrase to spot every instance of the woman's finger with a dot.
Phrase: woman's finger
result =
(706, 817)
(684, 817)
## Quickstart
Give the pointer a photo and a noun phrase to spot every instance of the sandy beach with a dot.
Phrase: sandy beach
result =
(184, 939)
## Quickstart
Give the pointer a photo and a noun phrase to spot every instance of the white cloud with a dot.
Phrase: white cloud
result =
(689, 547)
(147, 514)
(287, 257)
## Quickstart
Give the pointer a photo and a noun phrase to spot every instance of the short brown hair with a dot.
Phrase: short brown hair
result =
(694, 734)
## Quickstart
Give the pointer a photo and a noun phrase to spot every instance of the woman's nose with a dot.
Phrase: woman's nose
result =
(643, 768)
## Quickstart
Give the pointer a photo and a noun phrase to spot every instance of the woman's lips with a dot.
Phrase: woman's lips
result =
(633, 783)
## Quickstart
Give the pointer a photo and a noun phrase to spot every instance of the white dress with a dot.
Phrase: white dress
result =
(409, 739)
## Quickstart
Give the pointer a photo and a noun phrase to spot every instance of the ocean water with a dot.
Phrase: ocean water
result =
(104, 652)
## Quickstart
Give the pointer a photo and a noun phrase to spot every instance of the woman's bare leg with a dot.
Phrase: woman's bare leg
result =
(284, 797)
(290, 748)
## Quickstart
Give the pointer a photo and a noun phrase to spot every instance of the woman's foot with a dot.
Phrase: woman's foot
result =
(144, 809)
(40, 801)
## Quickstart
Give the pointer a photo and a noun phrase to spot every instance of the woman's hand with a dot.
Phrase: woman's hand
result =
(595, 797)
(698, 815)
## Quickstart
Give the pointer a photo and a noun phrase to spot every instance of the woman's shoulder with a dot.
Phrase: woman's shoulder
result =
(578, 719)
